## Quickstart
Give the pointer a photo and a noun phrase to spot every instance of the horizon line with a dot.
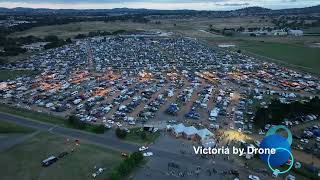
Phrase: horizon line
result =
(196, 6)
(124, 7)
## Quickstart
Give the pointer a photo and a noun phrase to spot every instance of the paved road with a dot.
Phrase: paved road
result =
(109, 142)
(105, 140)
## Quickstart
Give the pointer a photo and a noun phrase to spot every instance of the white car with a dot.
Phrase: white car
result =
(306, 141)
(108, 126)
(147, 154)
(252, 177)
(110, 121)
(119, 124)
(131, 123)
(143, 148)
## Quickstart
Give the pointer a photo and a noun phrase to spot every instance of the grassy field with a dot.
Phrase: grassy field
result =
(291, 51)
(39, 116)
(189, 27)
(23, 161)
(73, 29)
(7, 127)
(13, 74)
(32, 114)
(297, 56)
(135, 136)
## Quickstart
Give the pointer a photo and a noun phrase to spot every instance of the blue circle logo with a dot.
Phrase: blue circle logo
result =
(281, 145)
(291, 163)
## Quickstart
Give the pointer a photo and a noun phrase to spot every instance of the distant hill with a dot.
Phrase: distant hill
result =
(80, 11)
(247, 11)
(254, 9)
(306, 10)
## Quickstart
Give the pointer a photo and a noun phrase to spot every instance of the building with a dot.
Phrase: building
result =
(204, 134)
(279, 33)
(177, 129)
(295, 32)
(190, 132)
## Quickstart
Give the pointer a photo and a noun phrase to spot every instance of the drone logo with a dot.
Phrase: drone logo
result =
(282, 147)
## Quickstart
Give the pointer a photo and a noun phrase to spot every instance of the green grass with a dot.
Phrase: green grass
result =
(298, 56)
(23, 161)
(8, 127)
(312, 30)
(135, 136)
(13, 74)
(48, 118)
(32, 114)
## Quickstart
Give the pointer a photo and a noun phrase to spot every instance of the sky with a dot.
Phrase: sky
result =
(158, 4)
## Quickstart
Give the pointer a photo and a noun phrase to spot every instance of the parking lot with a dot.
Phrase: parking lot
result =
(126, 81)
(175, 159)
(135, 81)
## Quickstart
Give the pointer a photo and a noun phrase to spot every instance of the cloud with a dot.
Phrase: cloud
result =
(158, 4)
(234, 4)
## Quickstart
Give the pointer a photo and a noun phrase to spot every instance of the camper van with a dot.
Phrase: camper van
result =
(50, 160)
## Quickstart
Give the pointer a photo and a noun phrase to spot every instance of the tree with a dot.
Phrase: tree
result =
(2, 61)
(124, 169)
(72, 119)
(137, 157)
(143, 135)
(68, 40)
(114, 175)
(240, 29)
(99, 129)
(126, 166)
(76, 122)
(51, 38)
(121, 133)
(277, 112)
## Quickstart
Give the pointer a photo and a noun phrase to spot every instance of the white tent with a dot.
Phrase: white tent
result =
(189, 131)
(204, 133)
(178, 129)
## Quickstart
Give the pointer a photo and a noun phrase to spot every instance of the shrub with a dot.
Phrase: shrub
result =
(121, 133)
(98, 129)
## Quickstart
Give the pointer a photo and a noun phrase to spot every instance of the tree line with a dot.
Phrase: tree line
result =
(126, 166)
(277, 111)
(76, 123)
(13, 46)
(99, 33)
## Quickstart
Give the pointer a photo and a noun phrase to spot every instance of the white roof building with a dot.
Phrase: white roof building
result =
(189, 131)
(204, 133)
(179, 128)
(295, 32)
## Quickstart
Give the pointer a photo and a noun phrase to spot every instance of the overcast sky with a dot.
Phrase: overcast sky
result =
(158, 4)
